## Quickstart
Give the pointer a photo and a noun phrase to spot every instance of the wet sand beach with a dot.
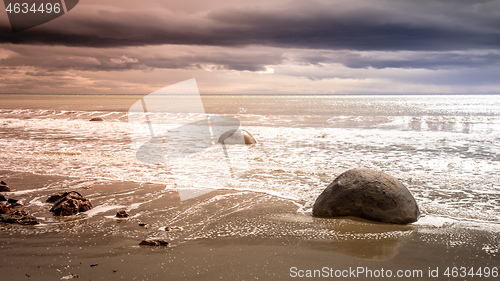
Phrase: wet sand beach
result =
(222, 235)
(246, 214)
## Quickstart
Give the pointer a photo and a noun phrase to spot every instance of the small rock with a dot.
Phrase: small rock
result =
(2, 198)
(170, 228)
(18, 217)
(69, 203)
(154, 243)
(17, 204)
(142, 224)
(14, 202)
(4, 187)
(98, 119)
(236, 136)
(122, 214)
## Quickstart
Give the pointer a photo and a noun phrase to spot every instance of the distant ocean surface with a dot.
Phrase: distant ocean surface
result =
(445, 148)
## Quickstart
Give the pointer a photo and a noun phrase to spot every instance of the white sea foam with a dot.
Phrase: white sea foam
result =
(434, 221)
(102, 209)
(448, 155)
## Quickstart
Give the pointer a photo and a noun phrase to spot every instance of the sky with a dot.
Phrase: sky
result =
(258, 47)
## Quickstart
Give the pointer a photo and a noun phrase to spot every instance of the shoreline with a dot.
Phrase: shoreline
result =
(225, 235)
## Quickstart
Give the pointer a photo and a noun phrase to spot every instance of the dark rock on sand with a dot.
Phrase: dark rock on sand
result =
(18, 217)
(367, 194)
(4, 187)
(2, 198)
(69, 203)
(122, 214)
(15, 204)
(154, 243)
(98, 119)
(237, 136)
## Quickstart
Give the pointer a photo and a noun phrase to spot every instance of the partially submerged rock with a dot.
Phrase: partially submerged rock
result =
(154, 243)
(237, 136)
(96, 119)
(4, 187)
(122, 214)
(18, 217)
(367, 194)
(69, 203)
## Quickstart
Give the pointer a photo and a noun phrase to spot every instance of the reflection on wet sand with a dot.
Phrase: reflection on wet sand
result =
(365, 239)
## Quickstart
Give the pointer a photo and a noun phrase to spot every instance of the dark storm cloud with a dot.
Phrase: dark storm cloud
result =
(140, 58)
(422, 60)
(378, 25)
(428, 61)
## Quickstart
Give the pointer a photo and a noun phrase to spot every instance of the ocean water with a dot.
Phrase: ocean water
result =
(445, 149)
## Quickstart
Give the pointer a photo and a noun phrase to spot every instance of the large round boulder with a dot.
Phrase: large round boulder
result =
(367, 194)
(237, 136)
